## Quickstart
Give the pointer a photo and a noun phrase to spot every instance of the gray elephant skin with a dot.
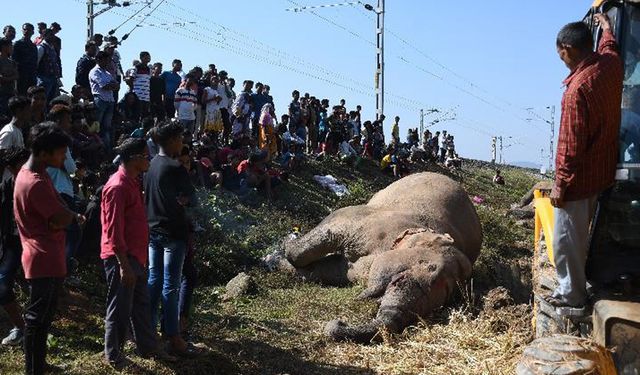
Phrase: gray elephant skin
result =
(411, 244)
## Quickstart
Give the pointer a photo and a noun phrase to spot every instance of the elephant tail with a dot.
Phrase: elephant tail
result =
(363, 334)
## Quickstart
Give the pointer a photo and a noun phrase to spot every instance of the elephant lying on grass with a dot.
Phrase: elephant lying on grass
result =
(411, 244)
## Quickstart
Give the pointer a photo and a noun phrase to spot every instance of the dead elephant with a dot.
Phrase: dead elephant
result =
(411, 244)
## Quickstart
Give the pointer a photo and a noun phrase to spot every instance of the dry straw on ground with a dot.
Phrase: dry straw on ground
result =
(490, 343)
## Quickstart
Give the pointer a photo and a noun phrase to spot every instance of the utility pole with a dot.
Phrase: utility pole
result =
(422, 124)
(110, 4)
(551, 150)
(380, 59)
(500, 140)
(493, 150)
(379, 72)
(90, 18)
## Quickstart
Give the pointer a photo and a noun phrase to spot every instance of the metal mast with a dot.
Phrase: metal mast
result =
(380, 59)
(90, 18)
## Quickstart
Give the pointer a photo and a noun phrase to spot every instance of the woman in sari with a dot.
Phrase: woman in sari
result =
(267, 136)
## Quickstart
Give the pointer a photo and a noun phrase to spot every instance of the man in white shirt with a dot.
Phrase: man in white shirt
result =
(185, 103)
(11, 134)
(103, 84)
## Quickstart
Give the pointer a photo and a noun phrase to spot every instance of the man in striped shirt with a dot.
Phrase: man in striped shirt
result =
(587, 150)
(139, 80)
(185, 102)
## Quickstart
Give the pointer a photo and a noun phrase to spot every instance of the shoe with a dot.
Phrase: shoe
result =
(119, 364)
(198, 228)
(160, 355)
(54, 369)
(14, 339)
(190, 352)
(73, 282)
(559, 302)
(163, 356)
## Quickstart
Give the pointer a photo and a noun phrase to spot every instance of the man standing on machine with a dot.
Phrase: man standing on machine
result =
(587, 150)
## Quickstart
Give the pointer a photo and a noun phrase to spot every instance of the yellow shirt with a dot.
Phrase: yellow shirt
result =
(386, 161)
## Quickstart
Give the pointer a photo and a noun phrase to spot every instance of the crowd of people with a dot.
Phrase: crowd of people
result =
(86, 172)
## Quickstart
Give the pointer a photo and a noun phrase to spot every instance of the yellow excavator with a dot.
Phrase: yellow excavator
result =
(603, 337)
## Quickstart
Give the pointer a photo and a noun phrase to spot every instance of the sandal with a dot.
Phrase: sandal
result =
(559, 302)
(190, 352)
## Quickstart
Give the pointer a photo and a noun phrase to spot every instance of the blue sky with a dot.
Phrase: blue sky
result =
(484, 61)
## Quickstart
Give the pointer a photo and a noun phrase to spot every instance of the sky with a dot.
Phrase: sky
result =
(482, 64)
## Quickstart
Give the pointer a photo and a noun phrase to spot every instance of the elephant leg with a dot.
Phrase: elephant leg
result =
(330, 270)
(339, 231)
(381, 273)
(359, 270)
(312, 247)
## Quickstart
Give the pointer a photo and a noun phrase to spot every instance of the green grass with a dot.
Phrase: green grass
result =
(278, 330)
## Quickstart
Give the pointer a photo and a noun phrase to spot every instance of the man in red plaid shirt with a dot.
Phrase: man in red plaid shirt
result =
(587, 150)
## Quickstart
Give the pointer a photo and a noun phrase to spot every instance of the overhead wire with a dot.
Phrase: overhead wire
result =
(243, 39)
(402, 101)
(328, 20)
(433, 60)
(147, 4)
(243, 52)
(127, 35)
(301, 8)
(248, 54)
(434, 75)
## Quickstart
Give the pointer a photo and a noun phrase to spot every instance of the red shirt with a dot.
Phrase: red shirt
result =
(124, 219)
(244, 166)
(588, 140)
(35, 201)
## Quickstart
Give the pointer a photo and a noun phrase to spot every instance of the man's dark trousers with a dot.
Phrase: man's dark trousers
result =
(38, 315)
(127, 307)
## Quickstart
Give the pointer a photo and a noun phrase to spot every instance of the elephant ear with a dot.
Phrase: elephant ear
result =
(406, 233)
(436, 239)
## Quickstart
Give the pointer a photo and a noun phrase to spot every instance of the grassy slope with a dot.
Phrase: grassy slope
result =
(279, 330)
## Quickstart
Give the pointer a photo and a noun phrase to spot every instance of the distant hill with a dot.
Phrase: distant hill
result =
(526, 164)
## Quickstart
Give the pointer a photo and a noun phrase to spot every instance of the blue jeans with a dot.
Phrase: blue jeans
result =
(189, 125)
(166, 258)
(188, 285)
(74, 233)
(104, 115)
(50, 85)
(9, 265)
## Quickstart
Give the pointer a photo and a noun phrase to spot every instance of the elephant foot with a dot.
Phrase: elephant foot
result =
(371, 293)
(364, 334)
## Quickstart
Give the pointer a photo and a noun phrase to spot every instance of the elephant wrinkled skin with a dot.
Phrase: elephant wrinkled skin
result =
(411, 244)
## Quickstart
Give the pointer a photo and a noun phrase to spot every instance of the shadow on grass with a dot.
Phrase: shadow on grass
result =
(249, 356)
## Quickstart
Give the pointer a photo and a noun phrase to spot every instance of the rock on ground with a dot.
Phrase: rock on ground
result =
(240, 285)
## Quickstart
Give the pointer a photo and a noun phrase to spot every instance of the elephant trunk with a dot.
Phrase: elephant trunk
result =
(311, 247)
(362, 334)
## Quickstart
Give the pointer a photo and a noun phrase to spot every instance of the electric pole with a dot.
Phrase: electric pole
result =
(90, 18)
(553, 125)
(422, 124)
(493, 150)
(379, 72)
(379, 59)
(110, 4)
(500, 140)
